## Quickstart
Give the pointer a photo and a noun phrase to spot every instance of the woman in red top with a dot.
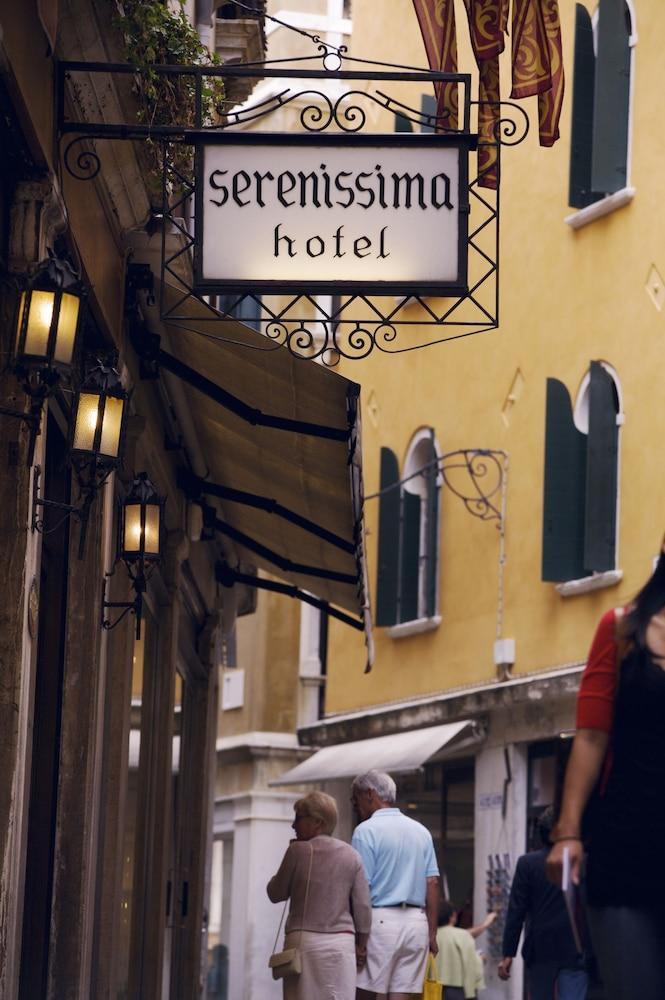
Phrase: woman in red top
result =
(619, 748)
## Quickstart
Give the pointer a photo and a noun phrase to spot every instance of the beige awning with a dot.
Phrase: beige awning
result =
(308, 472)
(397, 753)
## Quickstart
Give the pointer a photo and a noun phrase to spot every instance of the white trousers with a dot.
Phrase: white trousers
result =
(328, 967)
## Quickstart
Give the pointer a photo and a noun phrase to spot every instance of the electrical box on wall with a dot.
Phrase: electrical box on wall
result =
(233, 689)
(504, 653)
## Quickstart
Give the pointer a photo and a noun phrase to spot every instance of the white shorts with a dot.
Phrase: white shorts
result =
(396, 951)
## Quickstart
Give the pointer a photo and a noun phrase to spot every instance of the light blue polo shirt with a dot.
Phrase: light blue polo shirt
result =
(398, 856)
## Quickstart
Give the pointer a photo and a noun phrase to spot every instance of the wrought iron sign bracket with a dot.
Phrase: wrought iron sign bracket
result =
(330, 322)
(483, 468)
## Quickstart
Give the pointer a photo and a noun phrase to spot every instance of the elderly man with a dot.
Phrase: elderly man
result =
(399, 861)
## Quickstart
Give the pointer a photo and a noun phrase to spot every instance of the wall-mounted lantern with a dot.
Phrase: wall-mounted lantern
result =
(48, 319)
(140, 531)
(98, 421)
(95, 442)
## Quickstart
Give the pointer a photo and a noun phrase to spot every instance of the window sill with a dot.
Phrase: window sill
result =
(605, 206)
(414, 627)
(588, 583)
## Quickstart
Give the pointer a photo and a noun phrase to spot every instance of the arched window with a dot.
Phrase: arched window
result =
(602, 73)
(581, 477)
(407, 577)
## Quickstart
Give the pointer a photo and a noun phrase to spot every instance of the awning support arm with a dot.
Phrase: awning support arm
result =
(281, 561)
(252, 415)
(228, 576)
(195, 487)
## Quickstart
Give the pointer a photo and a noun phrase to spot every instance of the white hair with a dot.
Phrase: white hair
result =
(379, 782)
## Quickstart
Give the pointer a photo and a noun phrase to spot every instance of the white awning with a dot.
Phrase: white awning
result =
(397, 753)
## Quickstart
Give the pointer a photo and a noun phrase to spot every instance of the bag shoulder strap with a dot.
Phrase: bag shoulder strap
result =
(286, 903)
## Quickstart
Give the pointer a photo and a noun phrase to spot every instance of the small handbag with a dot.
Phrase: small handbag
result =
(432, 988)
(287, 962)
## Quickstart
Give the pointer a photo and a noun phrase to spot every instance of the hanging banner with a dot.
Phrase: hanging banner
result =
(370, 214)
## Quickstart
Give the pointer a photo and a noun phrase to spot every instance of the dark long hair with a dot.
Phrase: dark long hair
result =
(649, 601)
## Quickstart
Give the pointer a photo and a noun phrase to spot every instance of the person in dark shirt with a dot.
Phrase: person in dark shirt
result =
(554, 967)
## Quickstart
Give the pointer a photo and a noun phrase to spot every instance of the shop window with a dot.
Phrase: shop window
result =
(407, 579)
(602, 73)
(441, 797)
(546, 772)
(581, 477)
(245, 308)
(217, 979)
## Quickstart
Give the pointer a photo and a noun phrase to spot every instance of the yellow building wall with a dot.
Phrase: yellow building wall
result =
(267, 650)
(566, 298)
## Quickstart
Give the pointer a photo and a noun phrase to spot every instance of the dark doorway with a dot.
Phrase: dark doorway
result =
(45, 755)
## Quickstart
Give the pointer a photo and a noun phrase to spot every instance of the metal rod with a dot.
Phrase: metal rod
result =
(195, 486)
(289, 590)
(252, 415)
(285, 564)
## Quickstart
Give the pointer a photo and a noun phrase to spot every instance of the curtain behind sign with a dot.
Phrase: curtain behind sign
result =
(537, 64)
(48, 15)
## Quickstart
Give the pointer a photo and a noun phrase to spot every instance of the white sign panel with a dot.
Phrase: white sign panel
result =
(311, 215)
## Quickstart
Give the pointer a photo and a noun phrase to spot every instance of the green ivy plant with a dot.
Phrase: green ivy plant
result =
(154, 35)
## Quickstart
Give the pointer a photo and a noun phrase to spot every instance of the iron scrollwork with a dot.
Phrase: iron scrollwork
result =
(82, 164)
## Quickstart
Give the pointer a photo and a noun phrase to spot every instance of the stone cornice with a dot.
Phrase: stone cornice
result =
(435, 709)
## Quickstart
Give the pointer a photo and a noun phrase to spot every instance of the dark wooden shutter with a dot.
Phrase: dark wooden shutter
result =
(427, 107)
(389, 530)
(431, 529)
(409, 557)
(564, 489)
(611, 103)
(601, 472)
(579, 192)
(402, 124)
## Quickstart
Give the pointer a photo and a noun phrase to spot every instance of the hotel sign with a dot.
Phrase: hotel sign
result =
(370, 214)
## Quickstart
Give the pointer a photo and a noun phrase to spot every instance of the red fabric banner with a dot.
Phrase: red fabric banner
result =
(488, 20)
(550, 101)
(537, 63)
(437, 26)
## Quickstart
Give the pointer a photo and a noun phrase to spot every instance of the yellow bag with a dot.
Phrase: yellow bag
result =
(432, 990)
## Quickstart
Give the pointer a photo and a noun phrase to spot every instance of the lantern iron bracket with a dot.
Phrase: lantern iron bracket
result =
(135, 607)
(32, 418)
(89, 488)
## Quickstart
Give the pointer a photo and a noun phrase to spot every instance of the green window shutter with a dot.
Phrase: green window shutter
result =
(409, 557)
(402, 124)
(564, 489)
(389, 530)
(432, 531)
(601, 472)
(579, 191)
(427, 107)
(611, 101)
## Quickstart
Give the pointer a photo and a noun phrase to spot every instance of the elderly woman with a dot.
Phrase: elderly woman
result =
(329, 914)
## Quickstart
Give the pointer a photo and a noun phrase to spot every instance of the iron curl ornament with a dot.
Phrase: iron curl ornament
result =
(82, 164)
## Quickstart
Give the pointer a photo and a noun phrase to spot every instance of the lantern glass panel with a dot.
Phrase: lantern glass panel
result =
(152, 513)
(131, 542)
(19, 322)
(87, 416)
(111, 425)
(39, 324)
(67, 323)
